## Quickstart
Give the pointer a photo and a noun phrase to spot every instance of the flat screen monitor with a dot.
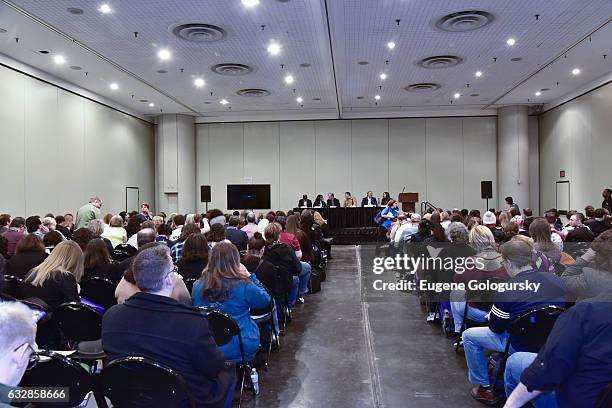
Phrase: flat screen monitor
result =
(248, 196)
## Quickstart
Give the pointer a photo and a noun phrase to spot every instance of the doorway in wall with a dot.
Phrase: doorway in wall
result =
(132, 199)
(562, 196)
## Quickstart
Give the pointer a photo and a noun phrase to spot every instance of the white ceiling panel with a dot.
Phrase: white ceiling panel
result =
(322, 43)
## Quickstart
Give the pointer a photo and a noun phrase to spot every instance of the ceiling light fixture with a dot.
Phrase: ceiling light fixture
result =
(114, 86)
(274, 48)
(377, 97)
(391, 45)
(511, 41)
(383, 76)
(223, 102)
(151, 105)
(289, 79)
(59, 59)
(199, 82)
(478, 74)
(250, 3)
(105, 9)
(538, 93)
(164, 54)
(575, 71)
(299, 99)
(457, 96)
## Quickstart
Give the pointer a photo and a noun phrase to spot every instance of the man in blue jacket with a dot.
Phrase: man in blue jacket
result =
(575, 362)
(507, 306)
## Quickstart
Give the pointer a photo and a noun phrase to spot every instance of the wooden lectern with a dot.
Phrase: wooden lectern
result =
(408, 201)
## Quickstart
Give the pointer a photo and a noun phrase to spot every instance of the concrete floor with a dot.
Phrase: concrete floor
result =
(350, 346)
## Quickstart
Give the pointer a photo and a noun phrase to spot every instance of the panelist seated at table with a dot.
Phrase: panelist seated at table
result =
(332, 201)
(319, 202)
(305, 201)
(349, 201)
(369, 200)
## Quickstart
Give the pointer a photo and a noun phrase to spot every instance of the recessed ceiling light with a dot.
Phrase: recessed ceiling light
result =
(457, 96)
(114, 86)
(42, 51)
(391, 45)
(223, 102)
(478, 74)
(383, 76)
(76, 67)
(59, 59)
(74, 10)
(199, 82)
(274, 48)
(575, 71)
(316, 99)
(304, 65)
(105, 8)
(250, 3)
(2, 30)
(362, 62)
(162, 71)
(151, 105)
(511, 41)
(377, 97)
(164, 54)
(289, 79)
(299, 99)
(538, 93)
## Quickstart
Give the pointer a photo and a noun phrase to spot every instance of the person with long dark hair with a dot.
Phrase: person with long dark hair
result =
(228, 286)
(195, 257)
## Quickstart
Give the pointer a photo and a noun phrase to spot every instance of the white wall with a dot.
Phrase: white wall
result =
(443, 159)
(58, 149)
(577, 137)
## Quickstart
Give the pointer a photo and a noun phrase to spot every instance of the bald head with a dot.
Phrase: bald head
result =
(145, 236)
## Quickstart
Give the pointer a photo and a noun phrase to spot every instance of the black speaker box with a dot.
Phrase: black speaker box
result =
(486, 189)
(205, 194)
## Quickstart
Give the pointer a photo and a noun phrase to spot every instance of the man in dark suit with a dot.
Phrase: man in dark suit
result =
(235, 235)
(305, 202)
(139, 327)
(332, 201)
(369, 200)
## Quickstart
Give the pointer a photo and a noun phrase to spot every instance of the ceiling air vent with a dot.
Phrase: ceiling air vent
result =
(253, 92)
(232, 69)
(463, 21)
(422, 87)
(198, 32)
(440, 61)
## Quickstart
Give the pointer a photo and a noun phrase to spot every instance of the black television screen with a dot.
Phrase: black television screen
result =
(248, 196)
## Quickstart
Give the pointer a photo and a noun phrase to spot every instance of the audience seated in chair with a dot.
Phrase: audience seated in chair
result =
(17, 346)
(226, 285)
(153, 325)
(194, 257)
(30, 252)
(235, 235)
(507, 306)
(575, 363)
(98, 262)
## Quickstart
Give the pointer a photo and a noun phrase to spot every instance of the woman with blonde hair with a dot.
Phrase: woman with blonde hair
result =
(55, 280)
(488, 265)
(227, 286)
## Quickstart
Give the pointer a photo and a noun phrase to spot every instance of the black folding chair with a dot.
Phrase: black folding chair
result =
(265, 322)
(14, 286)
(55, 370)
(605, 397)
(100, 291)
(189, 283)
(224, 328)
(140, 382)
(80, 323)
(532, 328)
